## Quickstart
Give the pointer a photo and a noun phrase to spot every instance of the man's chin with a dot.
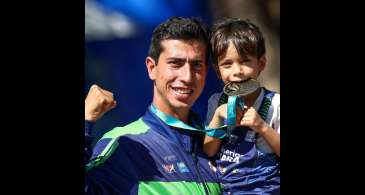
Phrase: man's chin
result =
(182, 105)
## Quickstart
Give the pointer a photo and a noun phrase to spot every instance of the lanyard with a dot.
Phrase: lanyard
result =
(214, 132)
(219, 132)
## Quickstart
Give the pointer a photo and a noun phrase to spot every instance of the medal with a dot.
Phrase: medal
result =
(241, 88)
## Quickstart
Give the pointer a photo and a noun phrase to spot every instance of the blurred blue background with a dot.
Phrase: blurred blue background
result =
(117, 38)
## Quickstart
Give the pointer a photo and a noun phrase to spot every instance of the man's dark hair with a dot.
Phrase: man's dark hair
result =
(245, 36)
(178, 28)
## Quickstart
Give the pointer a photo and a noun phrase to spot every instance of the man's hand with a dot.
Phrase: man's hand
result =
(97, 103)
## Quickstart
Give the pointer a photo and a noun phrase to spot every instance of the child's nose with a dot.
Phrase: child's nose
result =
(237, 70)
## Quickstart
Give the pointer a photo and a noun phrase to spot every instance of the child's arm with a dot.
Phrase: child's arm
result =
(212, 144)
(253, 120)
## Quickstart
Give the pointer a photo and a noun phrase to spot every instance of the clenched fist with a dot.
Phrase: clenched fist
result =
(98, 102)
(252, 119)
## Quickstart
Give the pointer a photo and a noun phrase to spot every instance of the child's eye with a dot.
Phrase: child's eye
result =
(226, 65)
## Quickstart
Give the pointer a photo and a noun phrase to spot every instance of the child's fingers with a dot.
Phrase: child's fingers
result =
(240, 113)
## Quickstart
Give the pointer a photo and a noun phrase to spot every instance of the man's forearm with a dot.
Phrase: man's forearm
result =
(88, 140)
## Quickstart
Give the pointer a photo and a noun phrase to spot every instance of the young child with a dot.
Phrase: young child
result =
(245, 164)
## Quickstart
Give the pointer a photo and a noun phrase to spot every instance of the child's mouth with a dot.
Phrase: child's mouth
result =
(244, 87)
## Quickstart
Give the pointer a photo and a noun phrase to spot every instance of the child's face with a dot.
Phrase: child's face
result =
(233, 68)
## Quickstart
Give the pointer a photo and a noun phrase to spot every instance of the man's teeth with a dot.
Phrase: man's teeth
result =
(183, 91)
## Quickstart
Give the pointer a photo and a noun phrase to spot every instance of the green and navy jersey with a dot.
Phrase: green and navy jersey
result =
(149, 157)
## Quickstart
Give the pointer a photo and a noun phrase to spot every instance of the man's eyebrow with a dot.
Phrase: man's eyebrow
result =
(176, 58)
(196, 60)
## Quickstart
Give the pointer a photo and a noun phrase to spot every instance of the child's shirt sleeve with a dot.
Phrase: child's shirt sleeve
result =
(212, 106)
(276, 113)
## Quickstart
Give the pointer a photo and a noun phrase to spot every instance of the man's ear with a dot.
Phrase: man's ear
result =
(262, 63)
(151, 67)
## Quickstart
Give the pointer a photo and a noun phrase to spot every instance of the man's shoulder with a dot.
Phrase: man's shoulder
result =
(134, 128)
(116, 139)
(128, 133)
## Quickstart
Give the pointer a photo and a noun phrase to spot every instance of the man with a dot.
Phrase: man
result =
(157, 154)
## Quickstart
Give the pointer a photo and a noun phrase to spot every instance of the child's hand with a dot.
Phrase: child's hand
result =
(253, 120)
(219, 116)
(221, 112)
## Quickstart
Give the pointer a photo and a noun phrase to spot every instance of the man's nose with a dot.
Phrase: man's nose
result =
(186, 73)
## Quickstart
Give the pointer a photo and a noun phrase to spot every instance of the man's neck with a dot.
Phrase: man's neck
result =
(178, 113)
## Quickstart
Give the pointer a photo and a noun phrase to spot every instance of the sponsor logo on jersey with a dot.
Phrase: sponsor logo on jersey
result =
(169, 168)
(182, 167)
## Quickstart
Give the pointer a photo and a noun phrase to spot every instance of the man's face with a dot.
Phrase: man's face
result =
(179, 76)
(233, 68)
